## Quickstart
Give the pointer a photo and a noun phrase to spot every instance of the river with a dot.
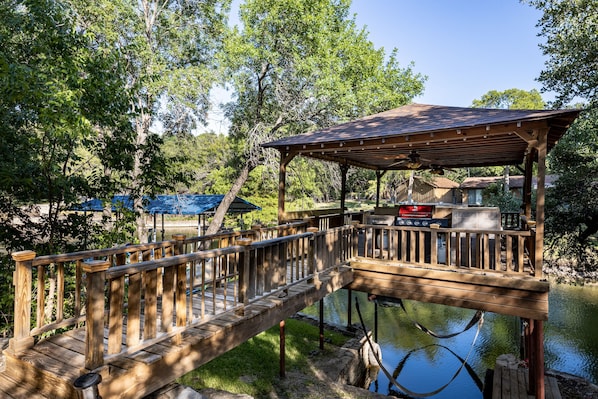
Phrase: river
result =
(424, 364)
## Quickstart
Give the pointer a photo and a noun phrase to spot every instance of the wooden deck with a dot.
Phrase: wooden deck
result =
(51, 366)
(514, 383)
(142, 316)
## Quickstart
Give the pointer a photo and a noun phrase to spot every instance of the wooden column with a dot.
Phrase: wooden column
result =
(536, 358)
(527, 183)
(540, 202)
(285, 158)
(94, 324)
(344, 170)
(22, 282)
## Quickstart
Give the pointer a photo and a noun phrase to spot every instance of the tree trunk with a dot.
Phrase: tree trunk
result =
(228, 200)
(410, 187)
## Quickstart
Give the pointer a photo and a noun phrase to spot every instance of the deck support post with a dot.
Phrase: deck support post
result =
(540, 202)
(94, 324)
(285, 158)
(282, 365)
(538, 342)
(22, 282)
(535, 339)
(349, 306)
(376, 321)
(321, 324)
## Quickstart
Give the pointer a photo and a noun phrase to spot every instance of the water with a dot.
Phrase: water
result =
(424, 364)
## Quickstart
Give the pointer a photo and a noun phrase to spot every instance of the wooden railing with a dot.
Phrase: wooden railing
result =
(144, 294)
(510, 220)
(503, 251)
(324, 219)
(49, 289)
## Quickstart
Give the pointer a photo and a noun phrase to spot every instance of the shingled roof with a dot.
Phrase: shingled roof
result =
(440, 135)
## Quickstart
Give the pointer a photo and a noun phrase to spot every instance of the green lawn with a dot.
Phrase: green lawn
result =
(253, 367)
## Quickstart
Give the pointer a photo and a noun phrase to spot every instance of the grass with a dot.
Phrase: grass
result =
(253, 367)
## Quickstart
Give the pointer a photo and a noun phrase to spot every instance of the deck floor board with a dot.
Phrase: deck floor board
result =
(59, 359)
(513, 383)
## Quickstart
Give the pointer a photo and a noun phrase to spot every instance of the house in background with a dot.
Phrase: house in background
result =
(473, 187)
(434, 190)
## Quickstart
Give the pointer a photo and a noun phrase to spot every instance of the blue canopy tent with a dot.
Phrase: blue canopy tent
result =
(185, 204)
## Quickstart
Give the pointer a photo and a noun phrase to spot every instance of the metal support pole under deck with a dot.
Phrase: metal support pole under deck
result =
(349, 305)
(321, 324)
(282, 371)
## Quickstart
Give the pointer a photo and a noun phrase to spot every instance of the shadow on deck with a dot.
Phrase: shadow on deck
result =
(142, 316)
(52, 365)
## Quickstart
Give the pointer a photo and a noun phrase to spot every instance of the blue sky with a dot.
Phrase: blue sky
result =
(465, 47)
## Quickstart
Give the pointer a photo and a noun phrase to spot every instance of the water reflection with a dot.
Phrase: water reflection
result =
(569, 334)
(426, 363)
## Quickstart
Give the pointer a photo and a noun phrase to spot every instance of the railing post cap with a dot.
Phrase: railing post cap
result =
(22, 256)
(94, 266)
(312, 229)
(256, 226)
(243, 241)
(179, 237)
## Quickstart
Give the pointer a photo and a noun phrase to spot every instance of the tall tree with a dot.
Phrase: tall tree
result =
(507, 99)
(52, 103)
(511, 99)
(170, 51)
(569, 28)
(298, 65)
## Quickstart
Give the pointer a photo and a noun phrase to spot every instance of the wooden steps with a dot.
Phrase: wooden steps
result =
(512, 384)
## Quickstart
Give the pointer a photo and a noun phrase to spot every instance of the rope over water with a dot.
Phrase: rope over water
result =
(480, 322)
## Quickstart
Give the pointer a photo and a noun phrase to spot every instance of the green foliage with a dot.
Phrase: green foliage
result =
(495, 195)
(571, 206)
(258, 360)
(50, 107)
(569, 28)
(510, 99)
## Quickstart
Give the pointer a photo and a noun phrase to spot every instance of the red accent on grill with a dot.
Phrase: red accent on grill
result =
(415, 211)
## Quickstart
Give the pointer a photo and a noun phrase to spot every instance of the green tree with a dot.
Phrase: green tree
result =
(169, 48)
(298, 65)
(507, 99)
(510, 99)
(569, 29)
(52, 104)
(572, 209)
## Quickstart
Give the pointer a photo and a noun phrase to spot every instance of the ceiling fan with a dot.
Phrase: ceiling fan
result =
(414, 161)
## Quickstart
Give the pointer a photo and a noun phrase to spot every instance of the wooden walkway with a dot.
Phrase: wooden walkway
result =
(513, 383)
(49, 369)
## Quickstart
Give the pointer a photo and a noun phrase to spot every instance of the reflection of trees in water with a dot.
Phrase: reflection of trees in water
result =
(392, 387)
(499, 335)
(569, 333)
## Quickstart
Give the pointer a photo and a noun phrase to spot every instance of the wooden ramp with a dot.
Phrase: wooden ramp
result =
(513, 384)
(49, 369)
